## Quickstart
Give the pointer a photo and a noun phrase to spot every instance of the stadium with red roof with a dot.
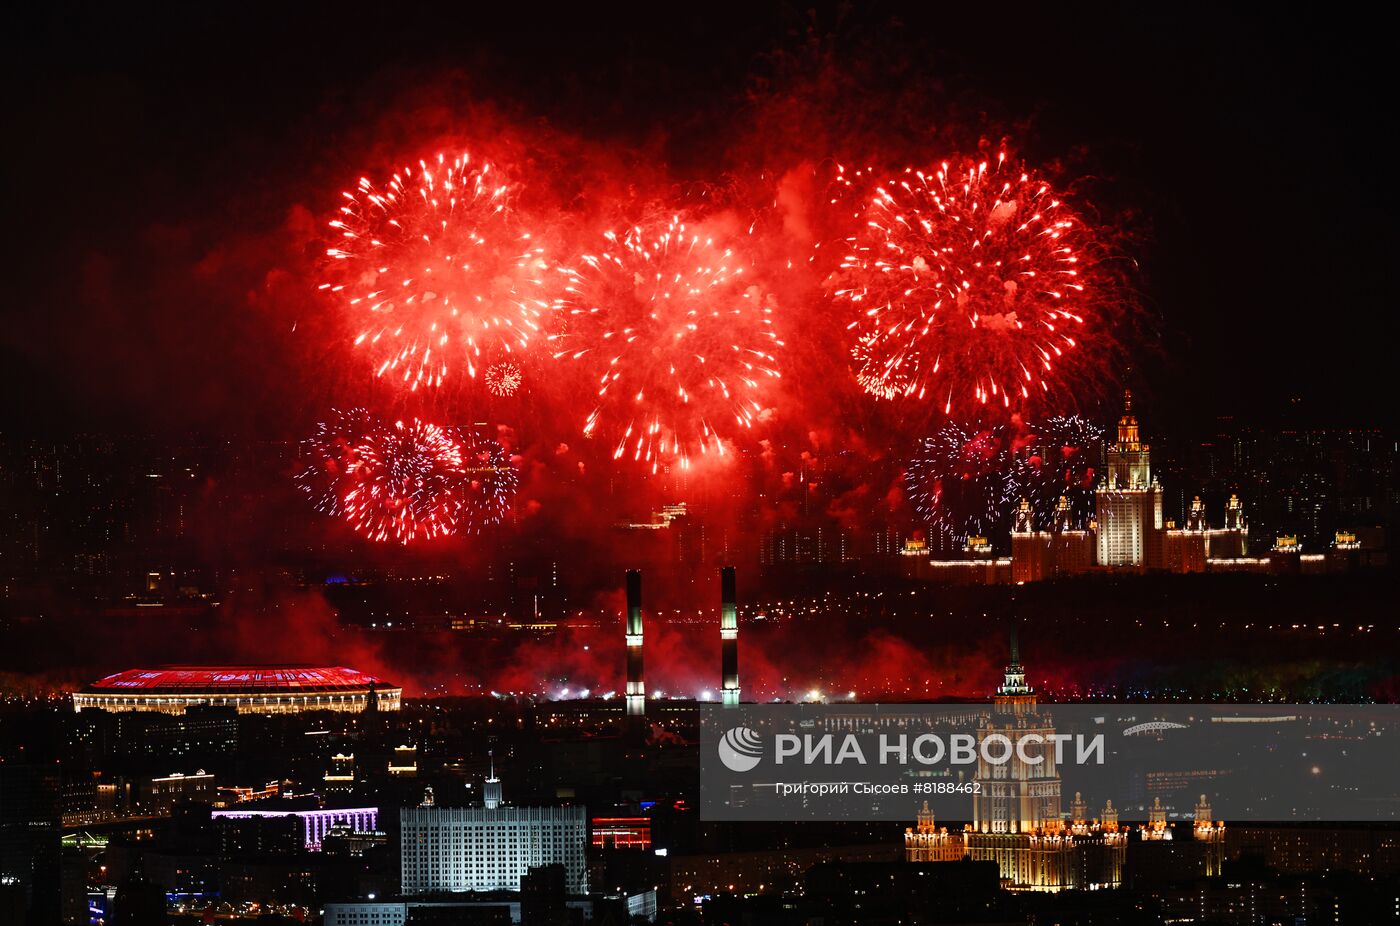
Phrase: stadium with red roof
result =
(249, 689)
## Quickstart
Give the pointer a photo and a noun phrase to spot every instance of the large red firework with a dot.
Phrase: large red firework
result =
(969, 287)
(436, 271)
(677, 336)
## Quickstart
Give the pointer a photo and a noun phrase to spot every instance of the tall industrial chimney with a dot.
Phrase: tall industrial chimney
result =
(728, 638)
(636, 688)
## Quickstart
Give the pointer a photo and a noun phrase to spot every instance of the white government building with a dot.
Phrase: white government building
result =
(490, 848)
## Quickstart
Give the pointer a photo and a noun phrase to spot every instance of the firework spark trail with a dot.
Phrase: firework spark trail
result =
(329, 453)
(1060, 459)
(969, 287)
(677, 336)
(491, 482)
(958, 481)
(409, 480)
(435, 271)
(405, 483)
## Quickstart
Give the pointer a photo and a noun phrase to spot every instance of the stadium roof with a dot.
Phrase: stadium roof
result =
(214, 679)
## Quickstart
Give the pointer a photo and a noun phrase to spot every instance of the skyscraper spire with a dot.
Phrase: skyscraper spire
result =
(1128, 437)
(491, 790)
(1014, 693)
(1023, 518)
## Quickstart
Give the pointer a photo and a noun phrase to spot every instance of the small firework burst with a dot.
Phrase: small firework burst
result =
(958, 480)
(328, 455)
(1058, 459)
(491, 483)
(405, 483)
(503, 378)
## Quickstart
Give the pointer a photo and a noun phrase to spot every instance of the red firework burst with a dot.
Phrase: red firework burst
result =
(329, 453)
(970, 287)
(405, 482)
(677, 335)
(435, 270)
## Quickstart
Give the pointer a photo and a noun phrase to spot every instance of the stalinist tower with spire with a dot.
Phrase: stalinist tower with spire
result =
(1017, 820)
(1017, 797)
(1128, 502)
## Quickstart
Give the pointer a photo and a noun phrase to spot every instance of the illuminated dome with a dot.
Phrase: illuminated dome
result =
(250, 689)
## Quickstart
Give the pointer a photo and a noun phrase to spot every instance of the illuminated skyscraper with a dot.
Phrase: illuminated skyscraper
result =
(491, 788)
(1210, 834)
(1128, 503)
(1016, 812)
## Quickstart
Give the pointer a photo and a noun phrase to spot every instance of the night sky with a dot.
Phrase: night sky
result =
(164, 169)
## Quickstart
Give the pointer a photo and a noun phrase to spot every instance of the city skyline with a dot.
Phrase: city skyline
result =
(637, 465)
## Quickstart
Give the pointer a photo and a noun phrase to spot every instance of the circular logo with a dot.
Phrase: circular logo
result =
(740, 749)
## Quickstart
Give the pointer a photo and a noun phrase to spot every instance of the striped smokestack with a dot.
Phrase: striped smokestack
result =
(636, 688)
(729, 638)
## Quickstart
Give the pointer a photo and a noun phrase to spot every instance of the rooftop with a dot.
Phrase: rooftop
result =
(239, 678)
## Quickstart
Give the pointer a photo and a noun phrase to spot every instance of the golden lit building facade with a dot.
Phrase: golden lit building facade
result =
(1185, 549)
(926, 842)
(1231, 542)
(1017, 816)
(1043, 554)
(1128, 504)
(1128, 531)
